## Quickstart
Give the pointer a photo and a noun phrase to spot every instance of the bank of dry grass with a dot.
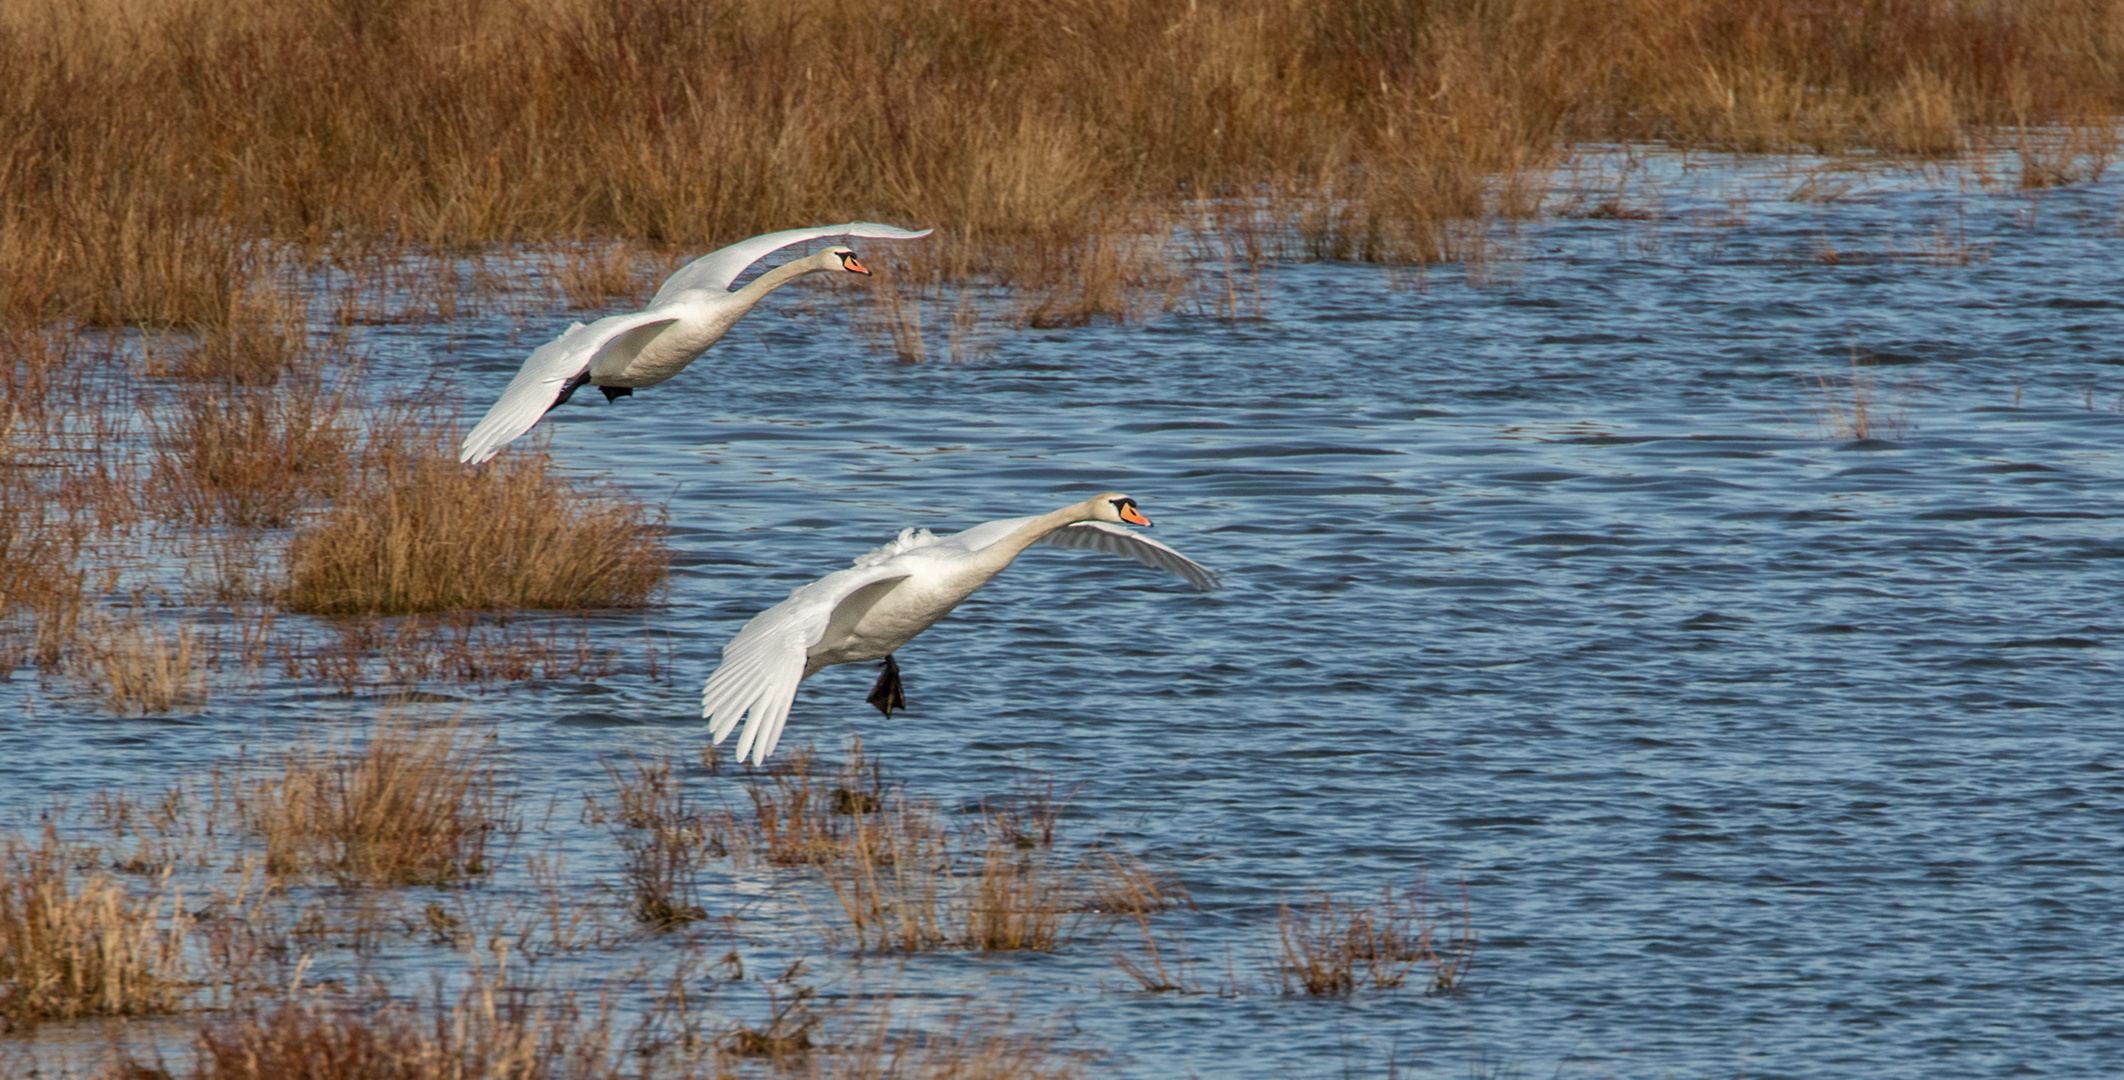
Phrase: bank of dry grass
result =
(159, 157)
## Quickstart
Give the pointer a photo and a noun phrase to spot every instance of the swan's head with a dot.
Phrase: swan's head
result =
(1118, 509)
(845, 259)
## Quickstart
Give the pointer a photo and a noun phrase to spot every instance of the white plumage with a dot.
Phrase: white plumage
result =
(692, 311)
(891, 594)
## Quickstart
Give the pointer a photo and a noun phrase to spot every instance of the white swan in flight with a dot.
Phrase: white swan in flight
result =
(693, 309)
(889, 596)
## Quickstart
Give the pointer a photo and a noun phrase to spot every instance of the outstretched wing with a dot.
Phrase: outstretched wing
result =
(763, 664)
(1116, 540)
(538, 384)
(717, 269)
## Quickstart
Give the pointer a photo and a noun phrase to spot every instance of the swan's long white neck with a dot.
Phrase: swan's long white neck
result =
(1000, 553)
(742, 300)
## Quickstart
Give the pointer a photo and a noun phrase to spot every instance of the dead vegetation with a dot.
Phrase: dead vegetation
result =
(907, 879)
(142, 665)
(1850, 406)
(75, 944)
(415, 531)
(412, 804)
(1335, 946)
(163, 163)
(664, 839)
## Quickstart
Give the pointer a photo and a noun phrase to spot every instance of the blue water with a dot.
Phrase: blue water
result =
(1763, 750)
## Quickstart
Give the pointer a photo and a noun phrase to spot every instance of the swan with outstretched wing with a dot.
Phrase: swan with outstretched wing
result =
(693, 310)
(869, 610)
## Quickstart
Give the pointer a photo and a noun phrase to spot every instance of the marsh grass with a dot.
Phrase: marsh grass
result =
(415, 531)
(159, 159)
(664, 840)
(1851, 406)
(84, 944)
(1334, 946)
(250, 457)
(362, 651)
(144, 665)
(487, 1032)
(413, 804)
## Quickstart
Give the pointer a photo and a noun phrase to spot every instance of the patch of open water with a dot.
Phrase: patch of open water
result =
(1761, 752)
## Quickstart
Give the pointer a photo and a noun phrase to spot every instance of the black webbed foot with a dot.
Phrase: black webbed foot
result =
(614, 393)
(886, 695)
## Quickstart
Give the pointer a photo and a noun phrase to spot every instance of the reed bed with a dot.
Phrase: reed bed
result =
(81, 946)
(412, 805)
(158, 157)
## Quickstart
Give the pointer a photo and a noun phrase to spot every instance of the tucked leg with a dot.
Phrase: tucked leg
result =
(886, 694)
(614, 393)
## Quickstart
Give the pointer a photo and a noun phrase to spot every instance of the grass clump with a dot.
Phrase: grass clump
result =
(664, 843)
(415, 531)
(413, 805)
(141, 667)
(1333, 946)
(89, 947)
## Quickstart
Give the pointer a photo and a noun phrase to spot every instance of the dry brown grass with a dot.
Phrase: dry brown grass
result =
(158, 159)
(1331, 946)
(665, 842)
(415, 531)
(92, 946)
(250, 457)
(487, 1033)
(143, 666)
(413, 804)
(1850, 406)
(361, 651)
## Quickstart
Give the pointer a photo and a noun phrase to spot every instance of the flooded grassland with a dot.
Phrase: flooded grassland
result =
(1679, 638)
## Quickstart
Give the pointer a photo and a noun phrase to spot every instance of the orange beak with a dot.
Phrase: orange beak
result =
(1134, 516)
(852, 266)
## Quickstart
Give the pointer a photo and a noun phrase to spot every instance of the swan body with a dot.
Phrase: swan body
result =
(693, 309)
(891, 594)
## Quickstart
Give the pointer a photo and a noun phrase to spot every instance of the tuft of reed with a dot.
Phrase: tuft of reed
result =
(664, 841)
(487, 1033)
(1331, 946)
(412, 805)
(140, 667)
(414, 531)
(1849, 407)
(89, 947)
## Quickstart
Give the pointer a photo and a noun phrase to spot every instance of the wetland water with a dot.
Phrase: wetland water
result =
(1762, 751)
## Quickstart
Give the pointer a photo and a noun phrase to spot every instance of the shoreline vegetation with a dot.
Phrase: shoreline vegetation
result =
(251, 905)
(160, 157)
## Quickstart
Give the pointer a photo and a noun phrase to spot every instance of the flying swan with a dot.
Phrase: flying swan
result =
(692, 310)
(892, 594)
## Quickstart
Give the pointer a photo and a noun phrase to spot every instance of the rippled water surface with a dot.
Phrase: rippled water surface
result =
(1763, 750)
